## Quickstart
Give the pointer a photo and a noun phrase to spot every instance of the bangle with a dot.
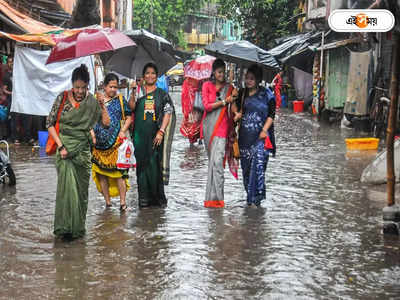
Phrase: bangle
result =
(162, 130)
(223, 102)
(61, 147)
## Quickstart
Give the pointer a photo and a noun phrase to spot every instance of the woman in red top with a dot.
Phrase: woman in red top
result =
(217, 128)
(277, 81)
(190, 127)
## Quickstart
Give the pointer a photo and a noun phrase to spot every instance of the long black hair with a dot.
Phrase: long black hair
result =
(257, 72)
(218, 63)
(81, 73)
(110, 77)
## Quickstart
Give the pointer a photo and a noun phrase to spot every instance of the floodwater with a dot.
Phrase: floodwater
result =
(315, 237)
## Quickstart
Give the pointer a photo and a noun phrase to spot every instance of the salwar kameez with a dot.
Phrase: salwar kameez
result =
(152, 163)
(253, 155)
(73, 172)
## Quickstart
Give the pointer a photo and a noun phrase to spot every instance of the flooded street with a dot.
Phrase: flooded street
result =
(317, 236)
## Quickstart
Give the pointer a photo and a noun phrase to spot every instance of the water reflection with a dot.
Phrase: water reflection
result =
(72, 277)
(315, 237)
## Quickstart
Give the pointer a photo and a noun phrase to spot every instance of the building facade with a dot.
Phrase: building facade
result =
(207, 26)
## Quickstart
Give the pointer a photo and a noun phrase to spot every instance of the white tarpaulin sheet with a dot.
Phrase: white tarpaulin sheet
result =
(36, 85)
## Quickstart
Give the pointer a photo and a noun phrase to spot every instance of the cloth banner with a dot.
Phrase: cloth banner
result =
(303, 83)
(36, 85)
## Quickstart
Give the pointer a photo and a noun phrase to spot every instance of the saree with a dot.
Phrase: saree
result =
(219, 151)
(190, 126)
(152, 163)
(253, 156)
(73, 173)
(105, 152)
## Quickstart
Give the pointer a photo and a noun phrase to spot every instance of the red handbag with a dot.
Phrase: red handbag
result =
(51, 145)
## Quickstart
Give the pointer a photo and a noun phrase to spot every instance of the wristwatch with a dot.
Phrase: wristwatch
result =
(223, 102)
(61, 147)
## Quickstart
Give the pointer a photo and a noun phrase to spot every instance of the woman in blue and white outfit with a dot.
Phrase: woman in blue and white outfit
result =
(256, 106)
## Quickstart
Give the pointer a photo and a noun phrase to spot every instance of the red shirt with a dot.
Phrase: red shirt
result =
(209, 94)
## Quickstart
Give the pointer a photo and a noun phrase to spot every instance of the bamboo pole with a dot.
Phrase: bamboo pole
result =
(394, 91)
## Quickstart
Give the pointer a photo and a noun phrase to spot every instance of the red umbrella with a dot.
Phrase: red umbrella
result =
(200, 68)
(87, 42)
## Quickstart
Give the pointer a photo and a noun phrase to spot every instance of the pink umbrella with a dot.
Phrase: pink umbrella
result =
(87, 42)
(200, 68)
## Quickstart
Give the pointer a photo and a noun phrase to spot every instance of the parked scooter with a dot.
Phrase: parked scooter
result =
(6, 172)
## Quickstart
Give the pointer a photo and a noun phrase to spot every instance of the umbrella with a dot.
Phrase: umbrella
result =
(242, 53)
(200, 68)
(150, 48)
(88, 41)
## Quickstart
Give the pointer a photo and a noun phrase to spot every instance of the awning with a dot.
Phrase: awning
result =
(25, 22)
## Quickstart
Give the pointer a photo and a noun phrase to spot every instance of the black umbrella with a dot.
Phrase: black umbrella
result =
(150, 48)
(242, 53)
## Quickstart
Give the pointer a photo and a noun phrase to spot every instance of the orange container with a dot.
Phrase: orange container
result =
(362, 144)
(298, 106)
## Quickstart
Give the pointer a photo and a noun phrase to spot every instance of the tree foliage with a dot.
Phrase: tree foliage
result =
(262, 21)
(168, 17)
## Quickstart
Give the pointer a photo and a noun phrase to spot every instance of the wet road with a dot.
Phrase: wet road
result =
(316, 236)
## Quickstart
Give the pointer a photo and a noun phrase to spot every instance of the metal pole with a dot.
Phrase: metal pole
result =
(394, 91)
(321, 66)
(129, 8)
(151, 17)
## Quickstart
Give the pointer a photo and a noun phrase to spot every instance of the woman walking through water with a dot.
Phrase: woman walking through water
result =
(190, 127)
(217, 130)
(80, 111)
(256, 133)
(154, 127)
(110, 181)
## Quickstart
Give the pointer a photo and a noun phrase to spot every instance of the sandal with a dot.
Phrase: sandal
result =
(123, 207)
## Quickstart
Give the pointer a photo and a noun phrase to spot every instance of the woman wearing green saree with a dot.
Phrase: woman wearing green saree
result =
(154, 126)
(80, 111)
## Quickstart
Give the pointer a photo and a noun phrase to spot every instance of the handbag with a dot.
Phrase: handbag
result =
(3, 113)
(235, 145)
(235, 148)
(51, 145)
(121, 101)
(198, 101)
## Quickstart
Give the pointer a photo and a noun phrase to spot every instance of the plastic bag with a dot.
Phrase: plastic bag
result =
(198, 101)
(126, 158)
(3, 113)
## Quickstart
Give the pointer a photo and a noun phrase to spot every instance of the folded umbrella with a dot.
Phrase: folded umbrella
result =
(88, 41)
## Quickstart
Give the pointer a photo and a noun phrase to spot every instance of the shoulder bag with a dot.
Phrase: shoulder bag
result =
(121, 101)
(51, 145)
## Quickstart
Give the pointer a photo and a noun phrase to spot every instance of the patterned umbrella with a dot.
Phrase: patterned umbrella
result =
(200, 68)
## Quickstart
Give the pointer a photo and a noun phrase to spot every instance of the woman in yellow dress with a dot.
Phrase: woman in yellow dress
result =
(110, 181)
